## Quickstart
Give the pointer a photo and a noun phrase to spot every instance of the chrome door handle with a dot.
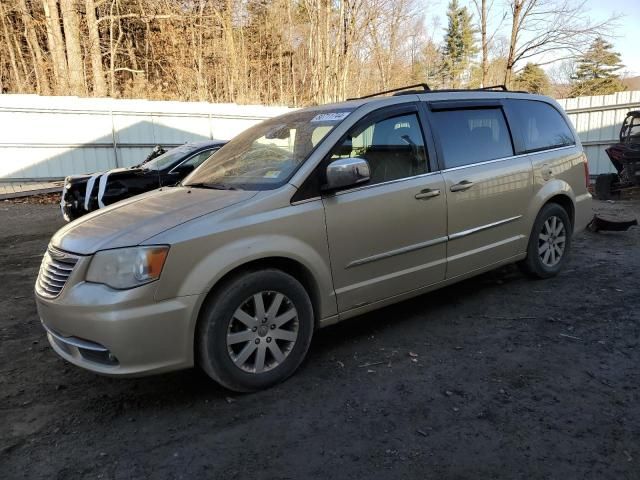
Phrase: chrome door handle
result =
(462, 186)
(427, 193)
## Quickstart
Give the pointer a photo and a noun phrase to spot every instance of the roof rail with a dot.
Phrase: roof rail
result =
(425, 88)
(495, 87)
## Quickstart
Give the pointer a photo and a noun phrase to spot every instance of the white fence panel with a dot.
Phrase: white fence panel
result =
(51, 137)
(598, 120)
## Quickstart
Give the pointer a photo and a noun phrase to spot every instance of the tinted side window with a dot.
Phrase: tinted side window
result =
(540, 125)
(394, 148)
(197, 159)
(472, 136)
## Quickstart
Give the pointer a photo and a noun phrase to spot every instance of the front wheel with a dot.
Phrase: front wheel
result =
(549, 242)
(255, 331)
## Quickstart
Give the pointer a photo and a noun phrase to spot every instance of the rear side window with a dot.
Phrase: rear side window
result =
(540, 126)
(472, 136)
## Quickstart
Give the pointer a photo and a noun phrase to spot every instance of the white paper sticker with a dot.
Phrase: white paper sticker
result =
(330, 117)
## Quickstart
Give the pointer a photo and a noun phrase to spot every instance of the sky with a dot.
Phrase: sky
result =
(625, 39)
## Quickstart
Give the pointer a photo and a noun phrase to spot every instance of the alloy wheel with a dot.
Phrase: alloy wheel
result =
(262, 332)
(552, 241)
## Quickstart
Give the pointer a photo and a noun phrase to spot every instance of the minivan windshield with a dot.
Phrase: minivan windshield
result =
(266, 155)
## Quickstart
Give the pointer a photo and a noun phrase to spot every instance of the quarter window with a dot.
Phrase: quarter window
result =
(541, 126)
(472, 135)
(393, 147)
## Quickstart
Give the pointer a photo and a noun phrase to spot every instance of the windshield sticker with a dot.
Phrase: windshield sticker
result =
(330, 117)
(272, 174)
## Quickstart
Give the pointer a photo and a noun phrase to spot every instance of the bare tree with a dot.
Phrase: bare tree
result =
(56, 45)
(71, 22)
(95, 51)
(561, 28)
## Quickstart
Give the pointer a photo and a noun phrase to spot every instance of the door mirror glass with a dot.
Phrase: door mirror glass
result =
(346, 172)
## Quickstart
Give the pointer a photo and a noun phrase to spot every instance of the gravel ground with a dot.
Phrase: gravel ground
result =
(497, 377)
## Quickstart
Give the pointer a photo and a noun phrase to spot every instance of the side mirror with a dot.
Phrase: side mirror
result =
(346, 172)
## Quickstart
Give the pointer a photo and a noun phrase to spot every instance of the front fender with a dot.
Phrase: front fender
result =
(230, 256)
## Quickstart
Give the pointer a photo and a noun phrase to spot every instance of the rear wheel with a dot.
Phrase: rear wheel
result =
(255, 331)
(549, 242)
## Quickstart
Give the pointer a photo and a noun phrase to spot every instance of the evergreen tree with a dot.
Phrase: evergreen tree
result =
(459, 43)
(533, 79)
(596, 72)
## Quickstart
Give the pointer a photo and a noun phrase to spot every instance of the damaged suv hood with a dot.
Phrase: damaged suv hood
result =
(131, 222)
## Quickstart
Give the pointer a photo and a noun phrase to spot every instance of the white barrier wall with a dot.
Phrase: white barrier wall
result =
(598, 120)
(51, 137)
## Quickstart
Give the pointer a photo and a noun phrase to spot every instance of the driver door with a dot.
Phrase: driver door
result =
(388, 236)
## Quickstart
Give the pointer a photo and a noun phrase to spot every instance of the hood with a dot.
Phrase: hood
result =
(131, 222)
(78, 180)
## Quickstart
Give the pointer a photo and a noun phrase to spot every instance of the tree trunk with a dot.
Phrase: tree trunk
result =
(31, 36)
(485, 45)
(516, 9)
(19, 81)
(71, 22)
(56, 46)
(95, 52)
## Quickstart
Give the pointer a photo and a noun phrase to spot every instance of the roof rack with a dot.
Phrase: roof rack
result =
(427, 89)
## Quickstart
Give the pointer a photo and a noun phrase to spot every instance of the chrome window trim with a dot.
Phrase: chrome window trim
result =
(306, 200)
(511, 157)
(452, 169)
(388, 182)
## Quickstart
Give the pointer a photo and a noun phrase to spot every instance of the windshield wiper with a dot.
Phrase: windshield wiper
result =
(214, 186)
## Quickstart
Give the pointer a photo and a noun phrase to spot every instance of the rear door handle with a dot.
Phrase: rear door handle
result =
(427, 193)
(462, 186)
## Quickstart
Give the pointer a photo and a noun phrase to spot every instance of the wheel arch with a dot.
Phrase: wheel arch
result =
(287, 265)
(566, 203)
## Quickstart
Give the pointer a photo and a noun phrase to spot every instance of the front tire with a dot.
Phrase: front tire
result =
(549, 243)
(255, 331)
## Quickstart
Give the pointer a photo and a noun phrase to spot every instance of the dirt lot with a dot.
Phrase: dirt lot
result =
(497, 377)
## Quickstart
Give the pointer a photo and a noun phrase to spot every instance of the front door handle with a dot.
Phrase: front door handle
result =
(462, 186)
(427, 193)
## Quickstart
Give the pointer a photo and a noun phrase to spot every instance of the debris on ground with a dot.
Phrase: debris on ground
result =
(611, 223)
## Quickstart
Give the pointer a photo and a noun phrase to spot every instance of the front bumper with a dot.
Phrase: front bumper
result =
(120, 332)
(71, 202)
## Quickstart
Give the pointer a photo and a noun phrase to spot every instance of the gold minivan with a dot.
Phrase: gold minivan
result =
(308, 219)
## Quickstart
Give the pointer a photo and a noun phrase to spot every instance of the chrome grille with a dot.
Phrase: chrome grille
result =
(54, 271)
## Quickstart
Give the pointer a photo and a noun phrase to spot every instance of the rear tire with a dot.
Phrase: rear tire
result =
(549, 243)
(255, 331)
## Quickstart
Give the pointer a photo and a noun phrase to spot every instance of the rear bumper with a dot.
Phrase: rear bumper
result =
(120, 333)
(583, 212)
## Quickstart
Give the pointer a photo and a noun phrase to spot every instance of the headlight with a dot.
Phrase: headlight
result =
(124, 268)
